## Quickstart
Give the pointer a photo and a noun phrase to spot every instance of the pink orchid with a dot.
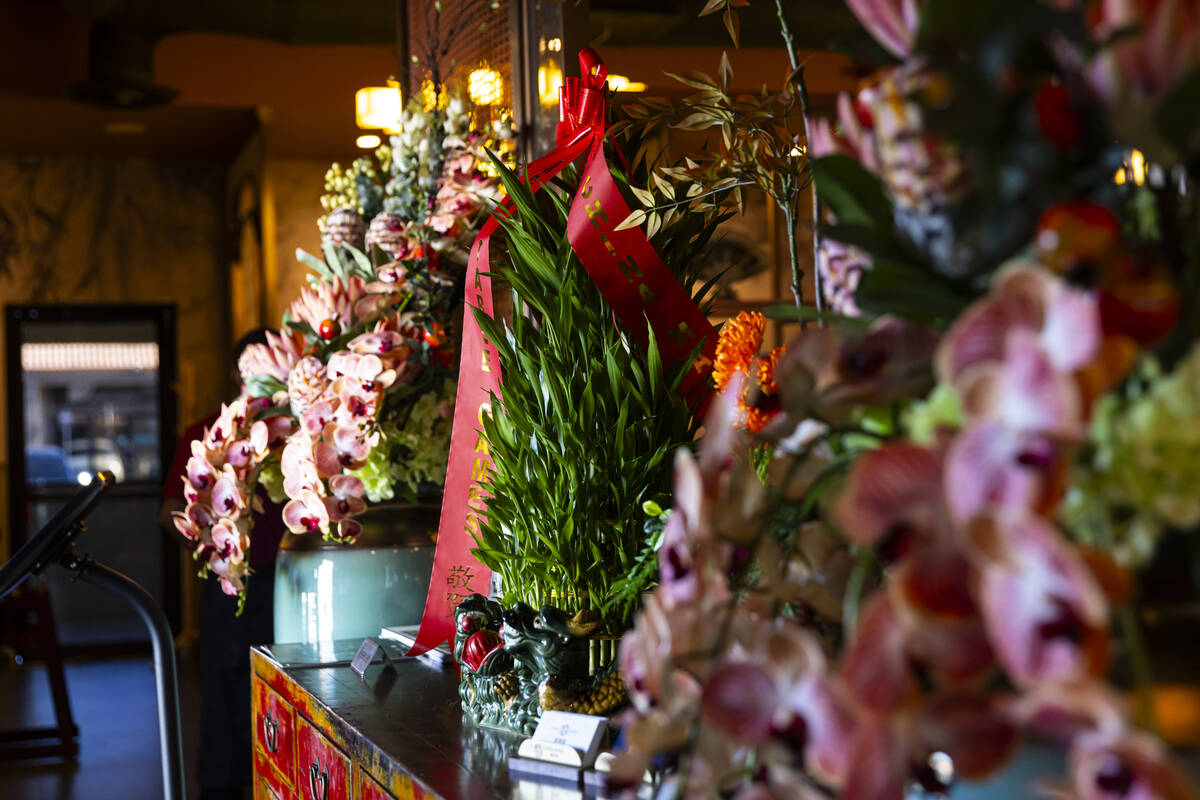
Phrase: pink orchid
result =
(229, 541)
(381, 343)
(189, 529)
(890, 752)
(260, 440)
(1126, 765)
(989, 465)
(199, 480)
(317, 416)
(299, 466)
(1045, 614)
(893, 23)
(824, 376)
(892, 494)
(306, 514)
(1025, 296)
(228, 499)
(349, 529)
(347, 497)
(353, 444)
(1024, 392)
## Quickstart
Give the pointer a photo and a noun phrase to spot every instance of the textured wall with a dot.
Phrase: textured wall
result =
(94, 230)
(298, 184)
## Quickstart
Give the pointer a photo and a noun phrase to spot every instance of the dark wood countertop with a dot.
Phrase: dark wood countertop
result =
(408, 718)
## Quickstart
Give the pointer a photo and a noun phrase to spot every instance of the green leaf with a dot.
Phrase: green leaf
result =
(854, 195)
(313, 263)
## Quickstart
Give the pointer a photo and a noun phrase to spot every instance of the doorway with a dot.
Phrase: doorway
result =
(89, 389)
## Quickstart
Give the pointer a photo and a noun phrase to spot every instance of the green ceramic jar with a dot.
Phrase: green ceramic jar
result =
(326, 591)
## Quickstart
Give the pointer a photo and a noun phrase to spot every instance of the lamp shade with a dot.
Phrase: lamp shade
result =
(378, 107)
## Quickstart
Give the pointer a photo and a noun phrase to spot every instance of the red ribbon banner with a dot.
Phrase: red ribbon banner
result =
(633, 279)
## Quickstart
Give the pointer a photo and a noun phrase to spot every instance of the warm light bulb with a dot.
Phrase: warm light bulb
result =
(379, 107)
(1137, 166)
(485, 86)
(554, 45)
(368, 141)
(619, 83)
(549, 79)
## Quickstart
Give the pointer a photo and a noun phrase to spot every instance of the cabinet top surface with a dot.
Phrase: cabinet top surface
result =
(407, 718)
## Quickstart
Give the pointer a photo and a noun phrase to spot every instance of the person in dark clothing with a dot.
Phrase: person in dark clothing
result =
(224, 763)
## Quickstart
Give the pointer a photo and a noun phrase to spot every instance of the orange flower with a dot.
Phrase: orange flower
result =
(766, 371)
(737, 346)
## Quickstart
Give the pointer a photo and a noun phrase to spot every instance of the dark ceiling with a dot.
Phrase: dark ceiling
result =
(200, 67)
(815, 23)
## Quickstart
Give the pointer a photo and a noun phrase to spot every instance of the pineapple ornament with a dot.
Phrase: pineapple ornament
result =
(344, 226)
(389, 233)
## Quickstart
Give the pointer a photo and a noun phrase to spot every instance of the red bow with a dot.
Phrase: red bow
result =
(581, 100)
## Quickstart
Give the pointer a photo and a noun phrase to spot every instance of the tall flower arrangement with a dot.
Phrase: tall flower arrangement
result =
(351, 399)
(935, 557)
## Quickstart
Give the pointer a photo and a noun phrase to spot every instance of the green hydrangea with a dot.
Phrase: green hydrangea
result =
(414, 454)
(1140, 471)
(923, 418)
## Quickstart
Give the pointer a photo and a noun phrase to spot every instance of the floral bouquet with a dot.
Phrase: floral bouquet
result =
(912, 536)
(351, 399)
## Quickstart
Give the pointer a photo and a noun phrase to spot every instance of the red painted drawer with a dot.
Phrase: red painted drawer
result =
(369, 788)
(324, 773)
(275, 731)
(265, 790)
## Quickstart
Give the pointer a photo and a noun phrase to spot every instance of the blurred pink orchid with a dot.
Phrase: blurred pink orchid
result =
(1046, 616)
(892, 495)
(1025, 297)
(893, 23)
(1024, 392)
(1133, 73)
(823, 376)
(991, 466)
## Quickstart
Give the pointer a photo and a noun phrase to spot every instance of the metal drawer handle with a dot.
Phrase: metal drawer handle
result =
(271, 732)
(317, 773)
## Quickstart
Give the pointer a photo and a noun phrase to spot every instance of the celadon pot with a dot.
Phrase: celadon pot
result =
(326, 591)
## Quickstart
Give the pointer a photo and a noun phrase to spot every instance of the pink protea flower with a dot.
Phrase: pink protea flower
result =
(275, 358)
(345, 304)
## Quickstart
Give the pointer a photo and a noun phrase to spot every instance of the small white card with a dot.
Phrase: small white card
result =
(366, 654)
(580, 732)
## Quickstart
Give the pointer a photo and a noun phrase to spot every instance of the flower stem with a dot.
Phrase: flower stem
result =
(854, 591)
(801, 90)
(1143, 675)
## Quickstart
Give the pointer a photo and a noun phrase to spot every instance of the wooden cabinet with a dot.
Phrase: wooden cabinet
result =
(305, 750)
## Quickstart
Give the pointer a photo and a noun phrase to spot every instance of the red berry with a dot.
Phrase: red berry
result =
(329, 329)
